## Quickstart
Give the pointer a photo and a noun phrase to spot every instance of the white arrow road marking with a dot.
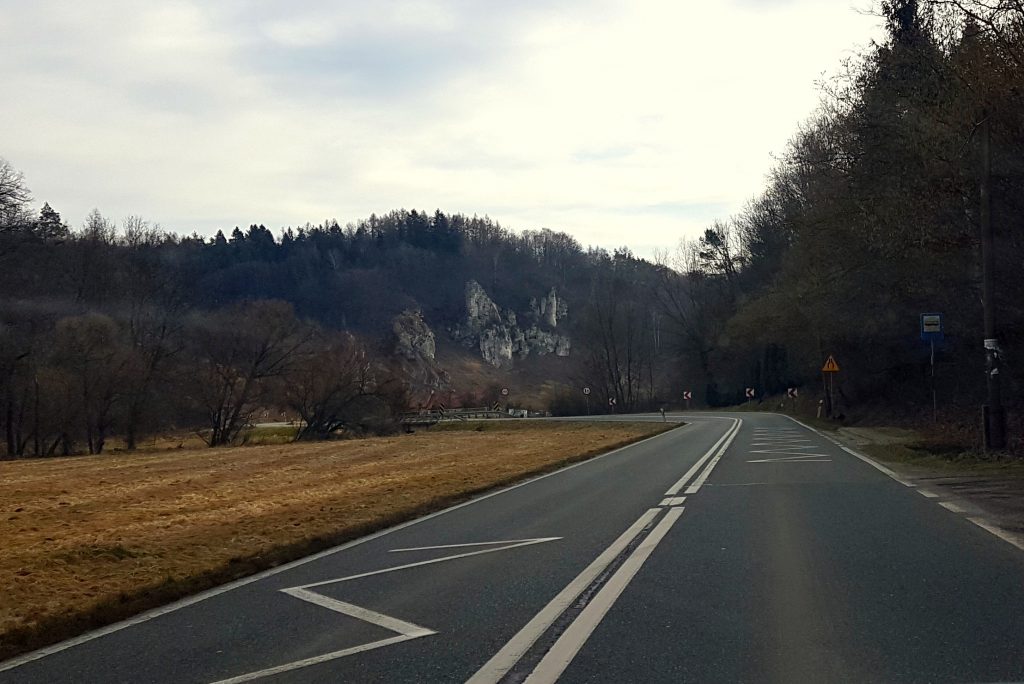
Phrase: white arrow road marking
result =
(406, 631)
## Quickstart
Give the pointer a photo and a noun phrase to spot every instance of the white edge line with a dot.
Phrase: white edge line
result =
(999, 532)
(554, 662)
(695, 487)
(951, 506)
(870, 461)
(224, 588)
(509, 654)
(674, 489)
(1005, 535)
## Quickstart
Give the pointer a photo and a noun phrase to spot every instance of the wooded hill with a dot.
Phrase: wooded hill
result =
(869, 219)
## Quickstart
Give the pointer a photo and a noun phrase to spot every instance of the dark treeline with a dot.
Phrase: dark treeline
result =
(126, 330)
(870, 219)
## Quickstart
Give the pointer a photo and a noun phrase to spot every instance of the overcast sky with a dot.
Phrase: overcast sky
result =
(631, 122)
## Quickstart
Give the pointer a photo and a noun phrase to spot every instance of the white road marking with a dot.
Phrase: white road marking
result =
(506, 658)
(672, 501)
(792, 460)
(950, 506)
(1007, 536)
(358, 612)
(217, 591)
(798, 459)
(871, 462)
(405, 630)
(695, 487)
(928, 493)
(315, 660)
(783, 451)
(459, 546)
(876, 465)
(674, 489)
(395, 568)
(553, 664)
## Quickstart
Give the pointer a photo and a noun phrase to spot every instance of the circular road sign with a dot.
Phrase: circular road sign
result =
(586, 390)
(504, 391)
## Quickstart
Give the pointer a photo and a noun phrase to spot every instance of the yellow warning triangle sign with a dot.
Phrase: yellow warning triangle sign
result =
(830, 365)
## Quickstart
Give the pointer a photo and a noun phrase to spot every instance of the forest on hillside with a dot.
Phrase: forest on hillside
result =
(871, 217)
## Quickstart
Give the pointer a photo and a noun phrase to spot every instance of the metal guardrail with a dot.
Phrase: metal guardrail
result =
(432, 417)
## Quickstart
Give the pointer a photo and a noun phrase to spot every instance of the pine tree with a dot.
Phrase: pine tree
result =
(49, 225)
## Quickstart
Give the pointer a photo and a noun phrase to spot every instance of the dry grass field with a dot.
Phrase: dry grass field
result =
(89, 540)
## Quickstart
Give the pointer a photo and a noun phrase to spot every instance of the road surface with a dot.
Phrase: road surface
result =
(740, 547)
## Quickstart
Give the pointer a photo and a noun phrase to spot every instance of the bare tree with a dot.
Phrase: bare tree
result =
(14, 196)
(89, 350)
(154, 314)
(237, 351)
(333, 387)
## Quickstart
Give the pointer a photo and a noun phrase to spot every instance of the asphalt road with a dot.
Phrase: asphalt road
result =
(741, 547)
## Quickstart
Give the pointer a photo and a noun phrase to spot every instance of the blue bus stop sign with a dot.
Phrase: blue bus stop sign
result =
(931, 327)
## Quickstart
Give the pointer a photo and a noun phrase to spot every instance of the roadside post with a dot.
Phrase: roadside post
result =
(828, 373)
(750, 394)
(687, 395)
(793, 393)
(611, 404)
(504, 394)
(586, 393)
(932, 332)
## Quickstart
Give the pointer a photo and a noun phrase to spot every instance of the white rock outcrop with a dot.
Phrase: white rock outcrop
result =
(413, 337)
(497, 333)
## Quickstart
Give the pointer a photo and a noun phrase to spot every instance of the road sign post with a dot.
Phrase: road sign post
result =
(932, 332)
(687, 395)
(586, 393)
(828, 373)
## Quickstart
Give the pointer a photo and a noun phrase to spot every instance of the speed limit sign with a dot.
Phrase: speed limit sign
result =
(586, 390)
(504, 391)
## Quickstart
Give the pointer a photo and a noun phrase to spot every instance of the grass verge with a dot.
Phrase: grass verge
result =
(92, 540)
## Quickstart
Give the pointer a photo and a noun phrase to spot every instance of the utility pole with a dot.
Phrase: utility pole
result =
(992, 413)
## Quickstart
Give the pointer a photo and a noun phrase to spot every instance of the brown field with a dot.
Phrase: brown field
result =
(92, 539)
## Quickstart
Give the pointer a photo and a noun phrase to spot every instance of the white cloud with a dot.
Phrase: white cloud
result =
(582, 116)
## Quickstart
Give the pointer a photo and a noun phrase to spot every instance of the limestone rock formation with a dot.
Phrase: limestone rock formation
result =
(498, 335)
(413, 337)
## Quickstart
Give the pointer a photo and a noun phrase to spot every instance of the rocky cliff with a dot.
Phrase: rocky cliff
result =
(498, 334)
(415, 347)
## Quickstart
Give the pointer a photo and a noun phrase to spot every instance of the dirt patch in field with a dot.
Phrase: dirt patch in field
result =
(90, 540)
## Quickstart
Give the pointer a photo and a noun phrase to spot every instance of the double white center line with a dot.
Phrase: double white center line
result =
(572, 639)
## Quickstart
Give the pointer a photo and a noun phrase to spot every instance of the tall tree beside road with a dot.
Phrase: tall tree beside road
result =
(88, 351)
(337, 385)
(236, 352)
